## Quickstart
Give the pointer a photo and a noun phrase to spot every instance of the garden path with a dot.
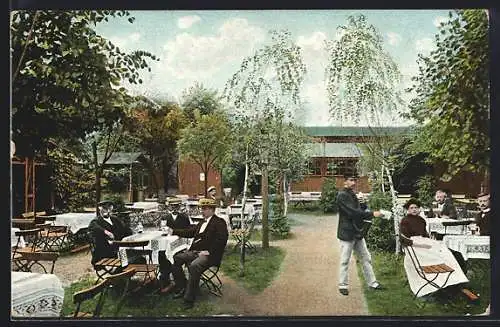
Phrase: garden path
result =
(307, 282)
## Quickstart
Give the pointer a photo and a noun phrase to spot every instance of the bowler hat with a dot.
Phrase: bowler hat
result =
(106, 203)
(351, 175)
(410, 202)
(207, 203)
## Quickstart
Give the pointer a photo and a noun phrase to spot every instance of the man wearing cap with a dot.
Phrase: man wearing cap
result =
(212, 194)
(350, 234)
(104, 229)
(175, 220)
(483, 218)
(206, 250)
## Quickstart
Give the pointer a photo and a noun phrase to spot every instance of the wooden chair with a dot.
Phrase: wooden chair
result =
(33, 259)
(56, 237)
(121, 281)
(92, 292)
(32, 240)
(210, 280)
(428, 273)
(105, 266)
(24, 223)
(243, 235)
(148, 270)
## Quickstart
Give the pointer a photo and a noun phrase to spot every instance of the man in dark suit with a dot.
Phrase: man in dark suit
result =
(104, 229)
(175, 219)
(483, 218)
(351, 236)
(206, 250)
(446, 208)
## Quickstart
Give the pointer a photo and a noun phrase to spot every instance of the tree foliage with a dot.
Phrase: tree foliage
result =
(197, 97)
(452, 95)
(362, 78)
(205, 141)
(65, 77)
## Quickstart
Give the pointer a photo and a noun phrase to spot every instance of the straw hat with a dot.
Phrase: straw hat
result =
(207, 203)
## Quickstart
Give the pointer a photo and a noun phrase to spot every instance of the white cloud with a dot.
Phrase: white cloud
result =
(316, 41)
(393, 38)
(439, 19)
(425, 45)
(195, 57)
(125, 42)
(314, 54)
(187, 21)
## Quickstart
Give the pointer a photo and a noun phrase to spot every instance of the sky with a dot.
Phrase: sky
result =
(208, 46)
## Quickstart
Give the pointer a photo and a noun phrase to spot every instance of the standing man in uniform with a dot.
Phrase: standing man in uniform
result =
(350, 234)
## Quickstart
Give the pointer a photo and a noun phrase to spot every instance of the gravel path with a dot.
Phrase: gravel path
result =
(306, 285)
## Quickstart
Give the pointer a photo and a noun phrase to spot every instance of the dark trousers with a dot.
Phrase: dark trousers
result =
(196, 266)
(165, 268)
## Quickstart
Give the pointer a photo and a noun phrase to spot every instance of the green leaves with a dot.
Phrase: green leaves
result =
(453, 94)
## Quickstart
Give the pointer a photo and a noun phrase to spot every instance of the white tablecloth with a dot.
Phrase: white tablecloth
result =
(438, 254)
(75, 220)
(146, 206)
(471, 246)
(436, 225)
(36, 295)
(170, 244)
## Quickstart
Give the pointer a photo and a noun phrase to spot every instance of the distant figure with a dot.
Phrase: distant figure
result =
(483, 218)
(445, 209)
(351, 236)
(212, 194)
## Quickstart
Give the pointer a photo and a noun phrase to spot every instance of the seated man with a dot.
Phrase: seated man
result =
(104, 229)
(483, 218)
(207, 248)
(175, 220)
(446, 208)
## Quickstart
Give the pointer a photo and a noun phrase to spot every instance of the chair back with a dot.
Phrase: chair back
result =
(90, 293)
(31, 236)
(35, 258)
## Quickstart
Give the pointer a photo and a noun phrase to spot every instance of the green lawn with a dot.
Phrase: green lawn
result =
(138, 305)
(398, 300)
(260, 267)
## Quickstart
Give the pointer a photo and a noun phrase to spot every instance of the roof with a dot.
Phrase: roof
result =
(355, 130)
(345, 150)
(120, 158)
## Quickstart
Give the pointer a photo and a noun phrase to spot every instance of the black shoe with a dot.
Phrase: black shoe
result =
(188, 305)
(179, 293)
(344, 291)
(377, 287)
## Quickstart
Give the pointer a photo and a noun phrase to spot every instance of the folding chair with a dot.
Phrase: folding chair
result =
(428, 273)
(121, 280)
(56, 237)
(243, 235)
(88, 294)
(149, 270)
(105, 266)
(211, 281)
(33, 240)
(35, 258)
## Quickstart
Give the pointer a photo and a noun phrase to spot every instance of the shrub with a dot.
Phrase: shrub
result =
(381, 234)
(426, 186)
(328, 201)
(280, 226)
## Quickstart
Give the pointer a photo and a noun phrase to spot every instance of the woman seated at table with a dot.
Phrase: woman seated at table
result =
(414, 225)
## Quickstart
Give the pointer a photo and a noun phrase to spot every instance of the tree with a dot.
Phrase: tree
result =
(157, 130)
(73, 77)
(452, 95)
(197, 97)
(66, 67)
(363, 80)
(265, 84)
(205, 141)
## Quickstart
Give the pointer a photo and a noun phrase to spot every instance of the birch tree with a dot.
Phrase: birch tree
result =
(363, 82)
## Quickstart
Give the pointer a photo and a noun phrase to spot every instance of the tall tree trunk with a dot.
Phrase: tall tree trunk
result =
(242, 216)
(265, 208)
(205, 171)
(97, 182)
(285, 196)
(396, 215)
